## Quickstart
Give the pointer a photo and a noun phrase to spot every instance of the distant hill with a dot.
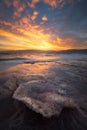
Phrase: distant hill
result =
(76, 51)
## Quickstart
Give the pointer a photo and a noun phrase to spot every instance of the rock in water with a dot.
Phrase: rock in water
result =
(42, 96)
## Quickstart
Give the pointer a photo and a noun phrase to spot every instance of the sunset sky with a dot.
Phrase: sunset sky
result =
(43, 24)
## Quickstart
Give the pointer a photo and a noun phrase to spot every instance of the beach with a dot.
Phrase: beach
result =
(42, 90)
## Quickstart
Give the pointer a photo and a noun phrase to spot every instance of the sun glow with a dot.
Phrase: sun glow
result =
(25, 36)
(33, 39)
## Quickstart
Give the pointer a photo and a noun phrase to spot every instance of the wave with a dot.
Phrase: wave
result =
(16, 58)
(19, 117)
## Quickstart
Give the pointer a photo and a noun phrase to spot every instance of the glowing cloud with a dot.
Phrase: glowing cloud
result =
(32, 3)
(52, 3)
(34, 16)
(26, 36)
(26, 27)
(44, 18)
(33, 38)
(18, 10)
(59, 3)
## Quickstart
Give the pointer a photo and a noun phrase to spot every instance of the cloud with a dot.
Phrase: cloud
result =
(18, 10)
(16, 3)
(5, 23)
(52, 3)
(58, 33)
(35, 13)
(44, 18)
(34, 16)
(8, 2)
(25, 20)
(69, 43)
(32, 3)
(31, 39)
(59, 3)
(24, 35)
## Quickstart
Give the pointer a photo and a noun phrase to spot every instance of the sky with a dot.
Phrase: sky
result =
(43, 24)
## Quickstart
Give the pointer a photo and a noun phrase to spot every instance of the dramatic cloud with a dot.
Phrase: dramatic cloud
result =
(31, 24)
(17, 12)
(34, 16)
(68, 43)
(16, 3)
(53, 3)
(44, 18)
(27, 36)
(18, 8)
(32, 3)
(59, 3)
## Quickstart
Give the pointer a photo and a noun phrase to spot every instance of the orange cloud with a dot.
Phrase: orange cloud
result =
(35, 39)
(34, 16)
(32, 3)
(5, 23)
(59, 3)
(18, 8)
(25, 20)
(18, 11)
(32, 39)
(16, 3)
(35, 13)
(24, 35)
(44, 18)
(68, 43)
(52, 3)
